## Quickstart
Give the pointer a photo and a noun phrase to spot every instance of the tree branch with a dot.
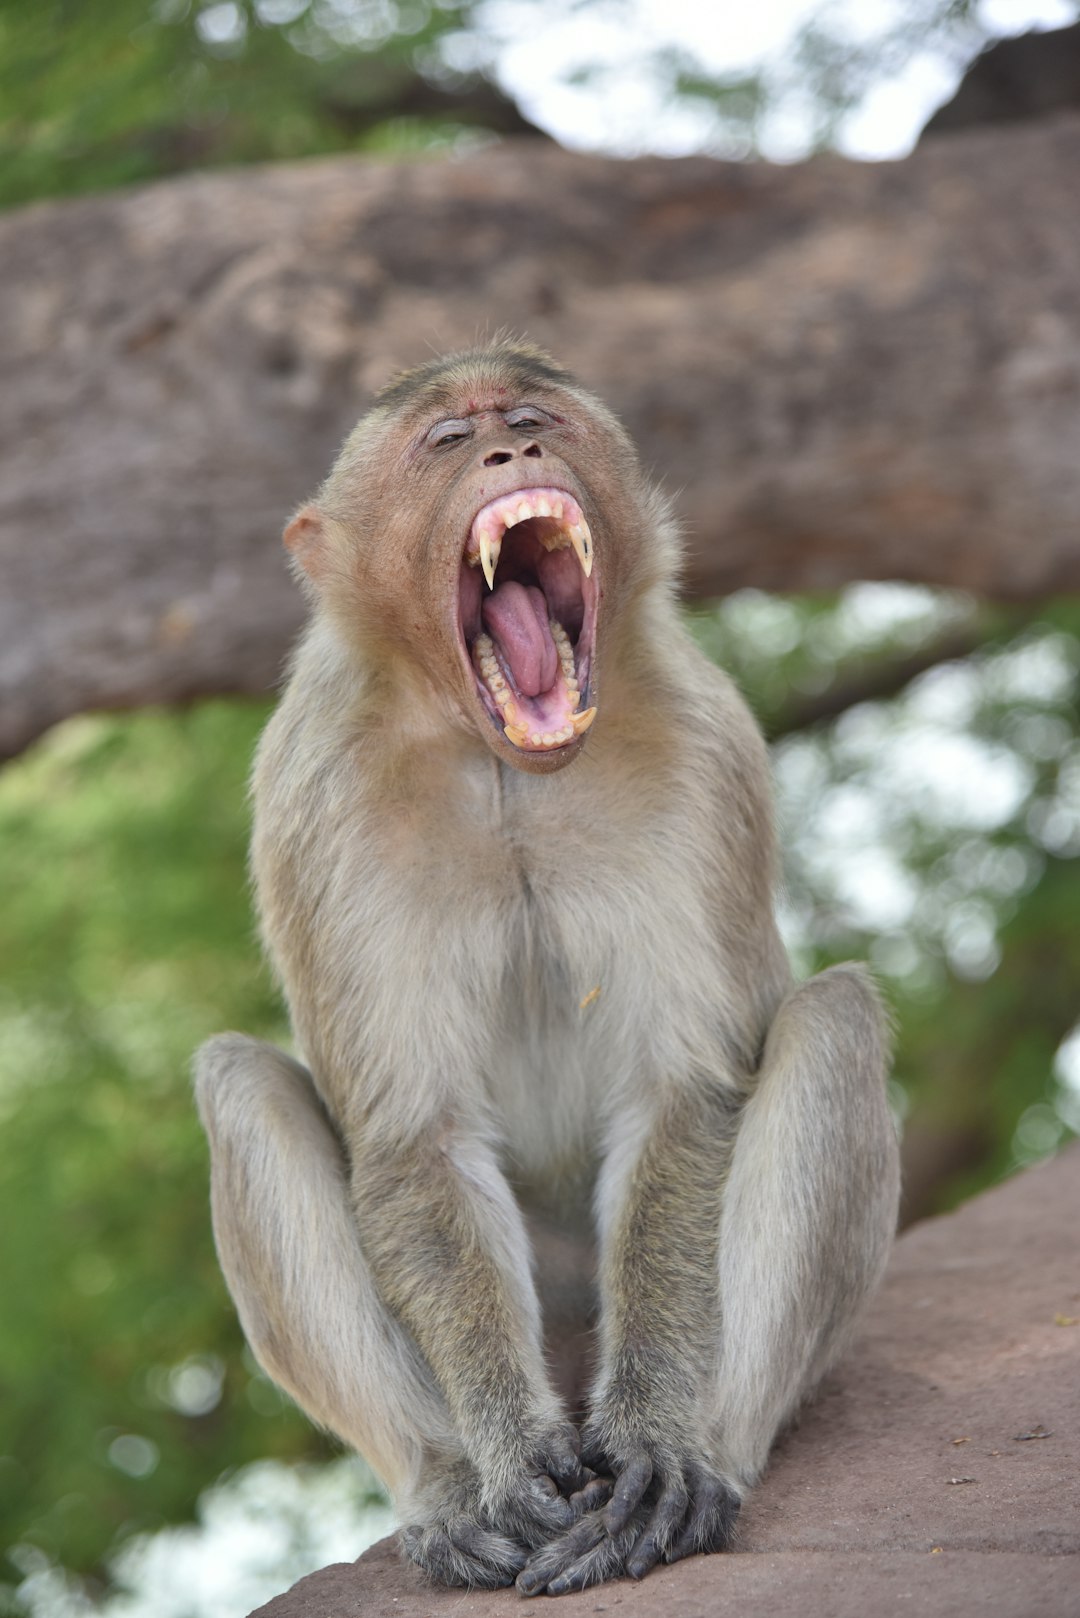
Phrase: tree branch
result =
(876, 681)
(846, 371)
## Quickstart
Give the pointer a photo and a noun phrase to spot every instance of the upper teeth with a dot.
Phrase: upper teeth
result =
(490, 525)
(489, 555)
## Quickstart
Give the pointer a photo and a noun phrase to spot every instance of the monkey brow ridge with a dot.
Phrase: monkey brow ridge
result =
(517, 365)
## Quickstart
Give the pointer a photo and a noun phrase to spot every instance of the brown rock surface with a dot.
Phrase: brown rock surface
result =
(908, 1487)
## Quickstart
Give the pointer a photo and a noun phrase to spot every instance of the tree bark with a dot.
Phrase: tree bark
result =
(845, 371)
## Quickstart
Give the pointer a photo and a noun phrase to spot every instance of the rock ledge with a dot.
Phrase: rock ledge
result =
(937, 1471)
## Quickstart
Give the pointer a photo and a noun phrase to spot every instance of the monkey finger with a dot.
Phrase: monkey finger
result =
(596, 1493)
(630, 1485)
(664, 1521)
(593, 1455)
(560, 1456)
(543, 1503)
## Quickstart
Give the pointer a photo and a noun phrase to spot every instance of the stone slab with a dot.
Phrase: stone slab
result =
(912, 1484)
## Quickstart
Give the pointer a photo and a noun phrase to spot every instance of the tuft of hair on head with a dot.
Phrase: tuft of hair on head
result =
(517, 361)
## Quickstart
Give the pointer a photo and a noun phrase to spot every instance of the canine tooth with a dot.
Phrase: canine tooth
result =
(581, 540)
(582, 721)
(489, 556)
(517, 734)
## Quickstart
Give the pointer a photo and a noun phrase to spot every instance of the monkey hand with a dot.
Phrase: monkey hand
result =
(527, 1486)
(663, 1506)
(475, 1532)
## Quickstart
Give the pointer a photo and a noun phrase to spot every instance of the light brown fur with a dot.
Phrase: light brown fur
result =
(408, 1223)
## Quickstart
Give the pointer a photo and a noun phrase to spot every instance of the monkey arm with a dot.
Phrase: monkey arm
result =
(450, 1255)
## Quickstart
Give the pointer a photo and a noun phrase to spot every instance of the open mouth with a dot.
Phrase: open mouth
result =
(527, 600)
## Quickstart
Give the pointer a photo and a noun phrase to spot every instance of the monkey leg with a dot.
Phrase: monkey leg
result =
(809, 1210)
(291, 1253)
(808, 1190)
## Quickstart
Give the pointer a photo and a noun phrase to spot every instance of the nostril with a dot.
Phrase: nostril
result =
(533, 449)
(499, 457)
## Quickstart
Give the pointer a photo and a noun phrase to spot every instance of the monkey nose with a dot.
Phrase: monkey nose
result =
(509, 452)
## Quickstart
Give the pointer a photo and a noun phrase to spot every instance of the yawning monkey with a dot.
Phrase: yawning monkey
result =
(575, 1195)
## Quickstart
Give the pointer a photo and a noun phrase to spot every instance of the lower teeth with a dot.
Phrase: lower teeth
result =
(492, 675)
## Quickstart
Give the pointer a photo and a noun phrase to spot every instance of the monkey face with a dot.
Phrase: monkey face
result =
(474, 527)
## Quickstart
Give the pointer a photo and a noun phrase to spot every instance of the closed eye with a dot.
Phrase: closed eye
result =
(527, 416)
(449, 432)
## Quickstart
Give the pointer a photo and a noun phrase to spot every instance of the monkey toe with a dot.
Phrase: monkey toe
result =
(631, 1483)
(463, 1554)
(661, 1529)
(586, 1554)
(710, 1526)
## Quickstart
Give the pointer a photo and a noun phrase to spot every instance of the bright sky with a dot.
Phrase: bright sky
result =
(621, 107)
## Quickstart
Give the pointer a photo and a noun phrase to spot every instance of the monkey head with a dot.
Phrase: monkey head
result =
(477, 529)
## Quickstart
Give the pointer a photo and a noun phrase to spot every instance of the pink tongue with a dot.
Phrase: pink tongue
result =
(515, 615)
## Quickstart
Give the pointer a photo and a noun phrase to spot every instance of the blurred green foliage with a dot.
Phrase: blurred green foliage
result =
(96, 95)
(935, 832)
(125, 939)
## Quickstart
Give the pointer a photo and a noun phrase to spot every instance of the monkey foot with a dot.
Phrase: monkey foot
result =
(531, 636)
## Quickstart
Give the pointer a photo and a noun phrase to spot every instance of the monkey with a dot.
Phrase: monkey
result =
(575, 1194)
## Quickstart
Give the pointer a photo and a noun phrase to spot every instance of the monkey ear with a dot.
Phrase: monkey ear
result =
(305, 539)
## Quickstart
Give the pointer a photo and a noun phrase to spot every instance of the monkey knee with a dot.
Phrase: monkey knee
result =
(836, 1024)
(218, 1063)
(236, 1076)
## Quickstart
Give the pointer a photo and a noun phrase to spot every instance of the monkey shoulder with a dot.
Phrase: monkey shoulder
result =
(718, 741)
